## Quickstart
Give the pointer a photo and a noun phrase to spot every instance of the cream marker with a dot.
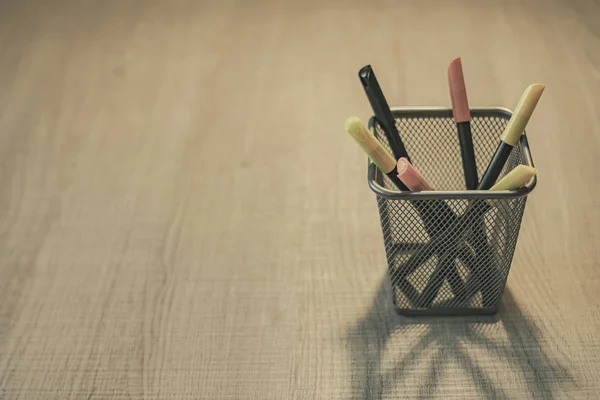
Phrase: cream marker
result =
(516, 178)
(511, 135)
(374, 149)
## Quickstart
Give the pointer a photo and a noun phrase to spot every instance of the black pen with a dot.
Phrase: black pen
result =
(382, 111)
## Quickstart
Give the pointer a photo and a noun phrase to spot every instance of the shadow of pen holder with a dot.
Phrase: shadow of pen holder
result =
(449, 251)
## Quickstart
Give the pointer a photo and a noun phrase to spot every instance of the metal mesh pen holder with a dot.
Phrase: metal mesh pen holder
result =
(449, 251)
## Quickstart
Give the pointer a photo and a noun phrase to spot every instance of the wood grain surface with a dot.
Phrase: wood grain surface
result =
(182, 215)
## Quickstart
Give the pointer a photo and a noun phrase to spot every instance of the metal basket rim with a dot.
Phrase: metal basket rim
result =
(443, 112)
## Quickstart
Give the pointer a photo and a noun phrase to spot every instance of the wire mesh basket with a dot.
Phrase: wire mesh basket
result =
(449, 251)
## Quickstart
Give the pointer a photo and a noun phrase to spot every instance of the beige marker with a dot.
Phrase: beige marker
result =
(516, 125)
(511, 135)
(516, 178)
(370, 144)
(374, 149)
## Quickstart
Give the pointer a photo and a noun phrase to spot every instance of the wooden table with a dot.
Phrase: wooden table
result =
(182, 215)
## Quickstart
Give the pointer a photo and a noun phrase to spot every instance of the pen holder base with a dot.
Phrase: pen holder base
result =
(449, 252)
(447, 312)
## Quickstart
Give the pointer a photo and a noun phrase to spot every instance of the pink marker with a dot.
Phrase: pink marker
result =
(412, 178)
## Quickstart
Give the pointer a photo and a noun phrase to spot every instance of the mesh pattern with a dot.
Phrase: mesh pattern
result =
(449, 256)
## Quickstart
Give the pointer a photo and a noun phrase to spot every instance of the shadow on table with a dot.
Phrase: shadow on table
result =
(448, 337)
